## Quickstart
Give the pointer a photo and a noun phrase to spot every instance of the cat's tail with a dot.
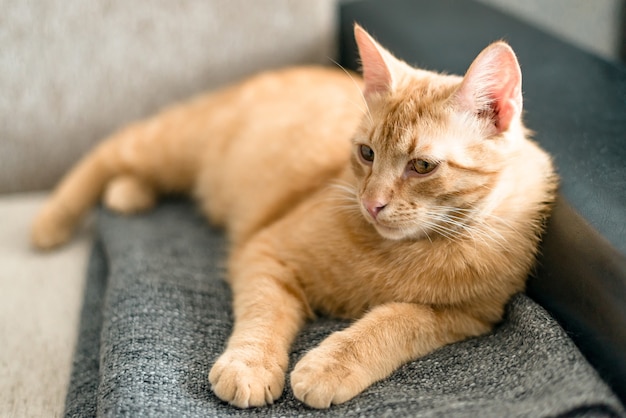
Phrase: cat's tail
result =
(127, 171)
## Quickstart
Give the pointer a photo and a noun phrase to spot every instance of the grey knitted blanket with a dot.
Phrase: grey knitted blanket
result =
(157, 314)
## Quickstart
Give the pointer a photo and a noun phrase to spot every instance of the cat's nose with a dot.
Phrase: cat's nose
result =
(374, 207)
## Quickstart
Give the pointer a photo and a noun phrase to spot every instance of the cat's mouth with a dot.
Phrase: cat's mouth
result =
(392, 231)
(384, 228)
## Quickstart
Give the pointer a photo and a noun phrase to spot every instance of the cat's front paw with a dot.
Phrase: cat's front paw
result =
(327, 375)
(247, 378)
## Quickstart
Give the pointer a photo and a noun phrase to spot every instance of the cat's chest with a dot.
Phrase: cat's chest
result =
(351, 283)
(345, 267)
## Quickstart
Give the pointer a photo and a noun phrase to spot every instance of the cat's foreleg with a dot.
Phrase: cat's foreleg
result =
(269, 311)
(349, 361)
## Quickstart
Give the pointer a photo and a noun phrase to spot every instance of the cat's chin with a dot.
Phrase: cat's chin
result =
(391, 233)
(400, 233)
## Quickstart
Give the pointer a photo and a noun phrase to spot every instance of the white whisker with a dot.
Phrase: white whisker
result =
(345, 200)
(457, 223)
(367, 108)
(440, 229)
(350, 191)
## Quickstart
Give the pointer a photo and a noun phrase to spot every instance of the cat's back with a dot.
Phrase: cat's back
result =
(274, 140)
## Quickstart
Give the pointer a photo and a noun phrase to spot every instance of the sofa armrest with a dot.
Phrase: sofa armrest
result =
(576, 102)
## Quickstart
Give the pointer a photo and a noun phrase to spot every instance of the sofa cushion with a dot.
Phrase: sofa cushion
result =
(158, 313)
(40, 299)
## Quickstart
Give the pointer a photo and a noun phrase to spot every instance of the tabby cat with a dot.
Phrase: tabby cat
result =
(410, 201)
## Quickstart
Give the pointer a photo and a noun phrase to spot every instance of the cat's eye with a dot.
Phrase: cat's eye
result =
(423, 166)
(367, 154)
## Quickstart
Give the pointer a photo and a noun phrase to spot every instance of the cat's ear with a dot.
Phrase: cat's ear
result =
(378, 64)
(492, 86)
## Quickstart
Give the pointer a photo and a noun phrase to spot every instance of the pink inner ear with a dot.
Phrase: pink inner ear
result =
(492, 86)
(375, 70)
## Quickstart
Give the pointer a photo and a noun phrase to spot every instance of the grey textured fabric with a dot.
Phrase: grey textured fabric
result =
(73, 71)
(157, 314)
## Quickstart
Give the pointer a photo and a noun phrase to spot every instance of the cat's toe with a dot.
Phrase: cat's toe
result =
(245, 380)
(320, 380)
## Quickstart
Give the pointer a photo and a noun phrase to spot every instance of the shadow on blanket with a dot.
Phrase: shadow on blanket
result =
(157, 314)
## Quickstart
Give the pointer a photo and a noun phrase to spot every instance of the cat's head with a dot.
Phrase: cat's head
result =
(431, 147)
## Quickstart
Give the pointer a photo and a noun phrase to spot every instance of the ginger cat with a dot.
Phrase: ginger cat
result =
(414, 205)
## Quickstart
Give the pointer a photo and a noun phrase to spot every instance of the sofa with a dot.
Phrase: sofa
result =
(66, 316)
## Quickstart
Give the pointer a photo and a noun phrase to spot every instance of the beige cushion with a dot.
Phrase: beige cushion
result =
(73, 71)
(40, 299)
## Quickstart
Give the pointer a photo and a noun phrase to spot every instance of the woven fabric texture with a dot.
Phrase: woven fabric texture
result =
(157, 315)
